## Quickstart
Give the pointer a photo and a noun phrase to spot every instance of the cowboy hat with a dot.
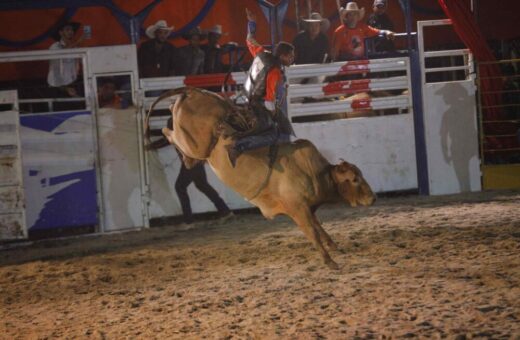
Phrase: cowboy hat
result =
(316, 17)
(217, 29)
(194, 31)
(159, 25)
(56, 33)
(352, 7)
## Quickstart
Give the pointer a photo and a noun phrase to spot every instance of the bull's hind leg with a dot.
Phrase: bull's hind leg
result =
(324, 235)
(304, 219)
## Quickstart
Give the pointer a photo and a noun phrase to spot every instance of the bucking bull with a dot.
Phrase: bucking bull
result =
(298, 182)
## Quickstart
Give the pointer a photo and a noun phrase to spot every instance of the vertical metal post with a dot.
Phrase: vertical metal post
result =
(274, 27)
(144, 172)
(416, 79)
(89, 82)
(297, 14)
(418, 121)
(481, 120)
(134, 30)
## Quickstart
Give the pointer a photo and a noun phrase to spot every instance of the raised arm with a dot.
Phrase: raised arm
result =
(252, 44)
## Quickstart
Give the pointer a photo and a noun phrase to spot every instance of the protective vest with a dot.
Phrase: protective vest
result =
(255, 84)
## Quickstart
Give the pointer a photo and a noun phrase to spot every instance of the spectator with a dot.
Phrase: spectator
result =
(213, 51)
(349, 37)
(157, 57)
(312, 45)
(191, 55)
(380, 20)
(63, 73)
(107, 95)
(265, 89)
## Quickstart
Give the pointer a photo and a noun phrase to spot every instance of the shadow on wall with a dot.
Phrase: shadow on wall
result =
(458, 132)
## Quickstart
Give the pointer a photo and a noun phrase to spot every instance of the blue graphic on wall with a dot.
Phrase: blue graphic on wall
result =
(59, 170)
(75, 205)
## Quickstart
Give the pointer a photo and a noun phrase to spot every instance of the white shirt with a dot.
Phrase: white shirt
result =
(61, 71)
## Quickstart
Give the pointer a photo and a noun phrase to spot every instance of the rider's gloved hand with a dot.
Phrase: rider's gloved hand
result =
(269, 105)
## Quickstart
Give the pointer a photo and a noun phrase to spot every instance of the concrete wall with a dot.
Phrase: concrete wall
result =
(382, 147)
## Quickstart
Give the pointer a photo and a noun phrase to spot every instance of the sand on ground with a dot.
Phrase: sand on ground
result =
(427, 267)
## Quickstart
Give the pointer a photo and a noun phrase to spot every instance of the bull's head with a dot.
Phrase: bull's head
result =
(351, 185)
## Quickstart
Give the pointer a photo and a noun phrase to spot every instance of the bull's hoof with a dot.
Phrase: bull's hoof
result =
(332, 265)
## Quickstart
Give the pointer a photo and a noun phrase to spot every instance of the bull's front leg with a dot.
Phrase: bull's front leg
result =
(169, 135)
(325, 236)
(181, 139)
(304, 219)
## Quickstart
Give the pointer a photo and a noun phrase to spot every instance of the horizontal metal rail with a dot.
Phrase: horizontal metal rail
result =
(348, 87)
(447, 69)
(446, 53)
(349, 105)
(357, 66)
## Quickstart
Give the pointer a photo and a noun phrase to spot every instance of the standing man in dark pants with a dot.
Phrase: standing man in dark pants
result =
(197, 175)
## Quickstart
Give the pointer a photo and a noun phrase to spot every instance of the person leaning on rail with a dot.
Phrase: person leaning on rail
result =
(191, 55)
(349, 37)
(380, 20)
(213, 51)
(63, 73)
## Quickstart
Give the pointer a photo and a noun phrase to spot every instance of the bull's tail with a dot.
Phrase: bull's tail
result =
(178, 91)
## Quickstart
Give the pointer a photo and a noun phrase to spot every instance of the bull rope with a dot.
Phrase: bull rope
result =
(273, 152)
(264, 183)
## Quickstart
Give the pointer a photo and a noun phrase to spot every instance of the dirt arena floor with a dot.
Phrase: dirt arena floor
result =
(413, 267)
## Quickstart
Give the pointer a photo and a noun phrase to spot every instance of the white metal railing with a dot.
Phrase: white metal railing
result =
(51, 101)
(374, 65)
(378, 75)
(467, 64)
(150, 88)
(349, 105)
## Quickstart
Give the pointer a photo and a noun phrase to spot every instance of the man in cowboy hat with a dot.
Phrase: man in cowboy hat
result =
(64, 72)
(349, 38)
(157, 57)
(311, 45)
(380, 20)
(191, 55)
(265, 90)
(212, 50)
